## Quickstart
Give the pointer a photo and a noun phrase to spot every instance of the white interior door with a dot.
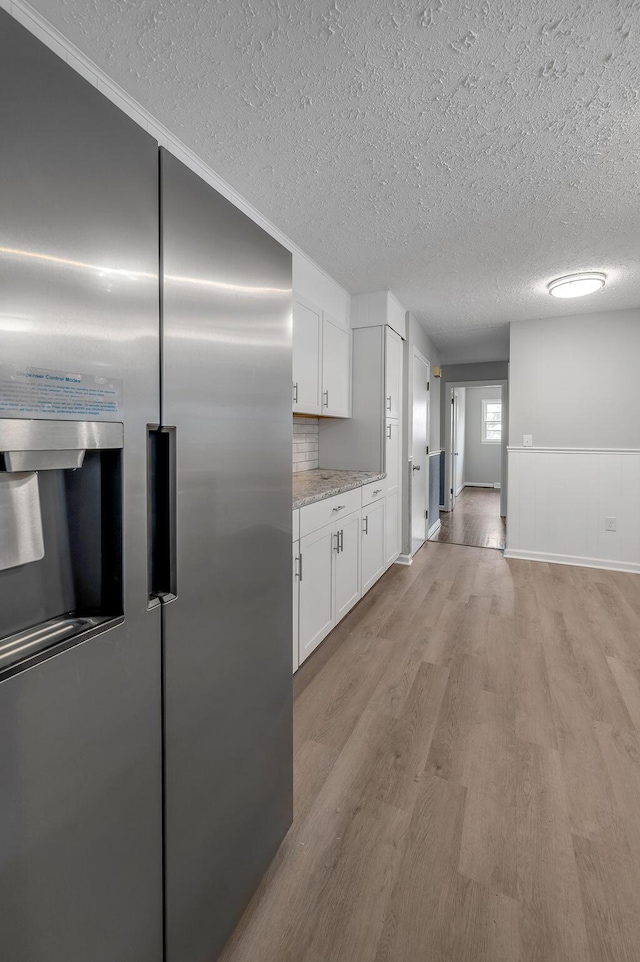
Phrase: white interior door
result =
(420, 463)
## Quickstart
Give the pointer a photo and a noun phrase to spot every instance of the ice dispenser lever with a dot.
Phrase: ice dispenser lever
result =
(26, 447)
(31, 445)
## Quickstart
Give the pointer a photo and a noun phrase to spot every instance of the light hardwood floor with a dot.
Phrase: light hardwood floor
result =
(467, 773)
(475, 520)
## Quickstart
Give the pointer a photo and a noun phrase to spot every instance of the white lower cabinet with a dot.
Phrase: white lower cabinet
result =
(372, 541)
(392, 528)
(316, 615)
(347, 565)
(329, 580)
(335, 563)
(296, 600)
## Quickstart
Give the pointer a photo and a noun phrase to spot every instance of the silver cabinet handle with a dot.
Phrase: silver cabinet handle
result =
(339, 508)
(377, 491)
(341, 539)
(388, 431)
(416, 467)
(326, 398)
(300, 567)
(337, 544)
(389, 403)
(365, 530)
(295, 393)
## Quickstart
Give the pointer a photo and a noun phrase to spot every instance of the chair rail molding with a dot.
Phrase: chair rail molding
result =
(560, 500)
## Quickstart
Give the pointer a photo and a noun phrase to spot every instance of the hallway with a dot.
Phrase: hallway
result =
(475, 520)
(467, 773)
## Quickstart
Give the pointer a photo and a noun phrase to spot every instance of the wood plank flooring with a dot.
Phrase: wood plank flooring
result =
(474, 521)
(467, 773)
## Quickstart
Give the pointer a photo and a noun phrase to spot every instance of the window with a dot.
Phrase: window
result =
(491, 421)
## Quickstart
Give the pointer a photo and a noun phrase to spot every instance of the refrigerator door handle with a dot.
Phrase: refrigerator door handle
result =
(161, 514)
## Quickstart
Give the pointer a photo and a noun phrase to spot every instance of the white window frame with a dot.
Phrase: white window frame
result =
(483, 427)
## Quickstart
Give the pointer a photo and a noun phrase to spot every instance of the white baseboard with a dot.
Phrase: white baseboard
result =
(481, 484)
(460, 489)
(432, 530)
(563, 559)
(404, 559)
(442, 507)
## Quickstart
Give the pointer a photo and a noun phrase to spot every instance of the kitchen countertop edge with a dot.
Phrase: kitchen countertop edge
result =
(334, 489)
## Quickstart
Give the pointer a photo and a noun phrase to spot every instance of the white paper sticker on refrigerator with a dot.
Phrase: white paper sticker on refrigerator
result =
(37, 390)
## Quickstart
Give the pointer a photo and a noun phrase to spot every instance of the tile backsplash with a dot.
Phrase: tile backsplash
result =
(305, 444)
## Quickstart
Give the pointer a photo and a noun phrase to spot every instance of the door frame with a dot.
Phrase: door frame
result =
(450, 386)
(419, 356)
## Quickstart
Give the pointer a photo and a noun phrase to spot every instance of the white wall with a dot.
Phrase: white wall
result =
(482, 461)
(461, 415)
(575, 381)
(575, 387)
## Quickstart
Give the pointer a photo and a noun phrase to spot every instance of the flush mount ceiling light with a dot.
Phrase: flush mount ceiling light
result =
(575, 285)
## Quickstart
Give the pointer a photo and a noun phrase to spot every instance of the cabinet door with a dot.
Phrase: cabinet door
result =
(336, 370)
(372, 541)
(392, 528)
(296, 576)
(316, 613)
(307, 335)
(392, 374)
(392, 455)
(347, 564)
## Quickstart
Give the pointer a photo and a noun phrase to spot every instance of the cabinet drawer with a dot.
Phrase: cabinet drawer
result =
(373, 491)
(296, 524)
(316, 515)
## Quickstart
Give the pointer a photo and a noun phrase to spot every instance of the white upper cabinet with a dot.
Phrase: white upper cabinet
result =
(307, 340)
(321, 362)
(392, 374)
(336, 369)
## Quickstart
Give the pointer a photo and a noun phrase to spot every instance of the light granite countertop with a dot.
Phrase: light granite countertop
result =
(310, 486)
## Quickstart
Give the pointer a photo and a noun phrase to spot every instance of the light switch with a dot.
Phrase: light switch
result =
(527, 440)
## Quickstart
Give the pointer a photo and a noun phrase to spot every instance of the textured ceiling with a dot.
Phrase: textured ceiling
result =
(459, 153)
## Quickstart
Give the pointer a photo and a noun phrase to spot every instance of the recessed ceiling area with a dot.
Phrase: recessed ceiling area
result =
(461, 154)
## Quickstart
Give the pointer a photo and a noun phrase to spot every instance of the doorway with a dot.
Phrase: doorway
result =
(474, 513)
(419, 467)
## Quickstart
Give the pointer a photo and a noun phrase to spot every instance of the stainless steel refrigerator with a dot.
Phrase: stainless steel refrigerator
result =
(145, 516)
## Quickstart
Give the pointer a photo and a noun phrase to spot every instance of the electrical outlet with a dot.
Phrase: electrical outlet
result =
(609, 524)
(527, 440)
